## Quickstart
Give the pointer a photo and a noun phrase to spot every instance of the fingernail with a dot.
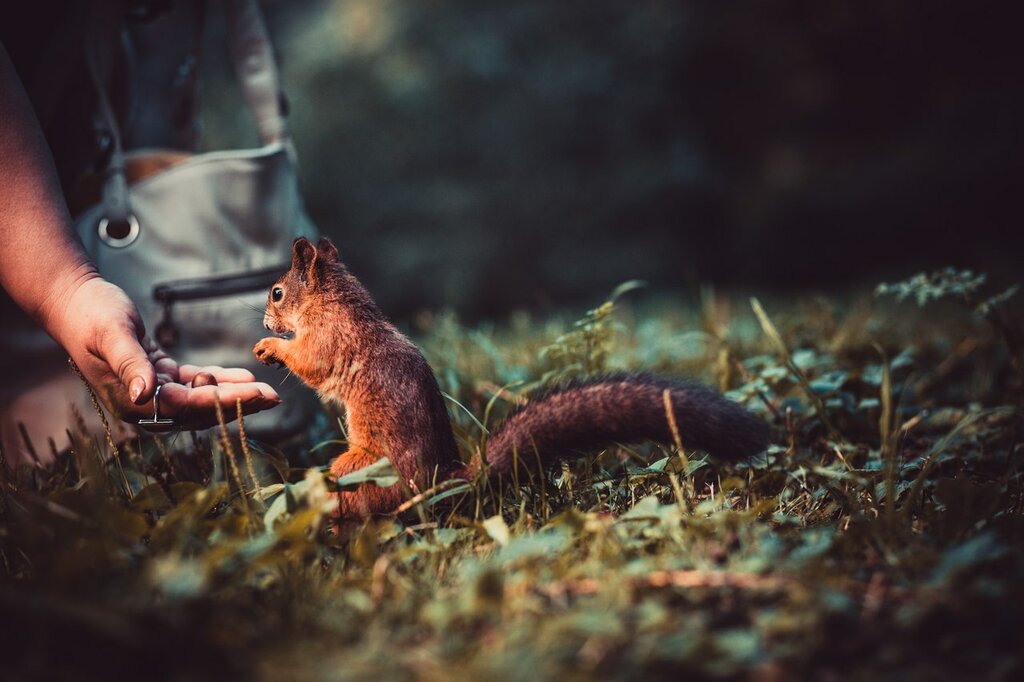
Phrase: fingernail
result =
(136, 388)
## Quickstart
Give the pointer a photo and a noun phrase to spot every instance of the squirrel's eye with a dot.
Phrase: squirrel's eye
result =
(277, 294)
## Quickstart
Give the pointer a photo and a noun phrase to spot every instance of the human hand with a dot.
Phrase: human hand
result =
(191, 404)
(100, 328)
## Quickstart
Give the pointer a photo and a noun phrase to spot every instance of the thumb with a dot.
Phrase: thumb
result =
(126, 356)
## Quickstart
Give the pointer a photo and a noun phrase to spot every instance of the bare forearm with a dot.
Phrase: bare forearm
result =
(40, 260)
(47, 273)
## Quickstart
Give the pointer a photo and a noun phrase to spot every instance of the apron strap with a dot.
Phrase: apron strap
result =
(102, 39)
(256, 69)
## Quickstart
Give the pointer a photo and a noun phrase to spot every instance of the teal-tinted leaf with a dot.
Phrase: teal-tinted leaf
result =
(269, 491)
(646, 508)
(177, 578)
(979, 549)
(626, 287)
(658, 466)
(457, 490)
(829, 382)
(774, 374)
(738, 646)
(804, 358)
(379, 473)
(533, 545)
(905, 358)
(868, 404)
(282, 504)
(497, 529)
(816, 544)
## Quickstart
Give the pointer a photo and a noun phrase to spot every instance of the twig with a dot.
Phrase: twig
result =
(666, 397)
(932, 458)
(106, 428)
(888, 439)
(430, 492)
(225, 443)
(682, 498)
(760, 394)
(250, 465)
(773, 333)
(683, 579)
(28, 444)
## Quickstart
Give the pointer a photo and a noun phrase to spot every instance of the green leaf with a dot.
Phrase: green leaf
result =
(979, 549)
(457, 490)
(151, 498)
(379, 473)
(497, 529)
(284, 503)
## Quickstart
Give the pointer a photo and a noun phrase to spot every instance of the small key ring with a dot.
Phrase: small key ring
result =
(156, 420)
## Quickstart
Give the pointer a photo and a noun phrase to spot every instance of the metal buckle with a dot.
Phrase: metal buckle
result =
(119, 242)
(156, 420)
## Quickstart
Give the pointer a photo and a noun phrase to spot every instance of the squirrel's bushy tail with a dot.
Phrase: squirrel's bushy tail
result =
(587, 415)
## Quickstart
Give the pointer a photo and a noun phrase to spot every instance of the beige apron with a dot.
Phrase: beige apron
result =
(195, 244)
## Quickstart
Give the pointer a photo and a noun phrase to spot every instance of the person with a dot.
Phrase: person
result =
(47, 273)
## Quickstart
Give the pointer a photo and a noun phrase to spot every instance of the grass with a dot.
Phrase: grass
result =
(879, 538)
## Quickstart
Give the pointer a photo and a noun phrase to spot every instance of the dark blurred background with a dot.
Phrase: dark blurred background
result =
(488, 155)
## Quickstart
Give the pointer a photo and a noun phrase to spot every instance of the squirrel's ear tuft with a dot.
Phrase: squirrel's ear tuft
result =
(326, 250)
(303, 259)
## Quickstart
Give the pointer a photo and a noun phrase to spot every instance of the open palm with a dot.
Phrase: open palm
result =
(102, 331)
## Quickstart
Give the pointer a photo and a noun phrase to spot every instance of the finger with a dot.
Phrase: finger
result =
(203, 379)
(268, 392)
(121, 350)
(166, 369)
(194, 408)
(255, 393)
(224, 375)
(166, 366)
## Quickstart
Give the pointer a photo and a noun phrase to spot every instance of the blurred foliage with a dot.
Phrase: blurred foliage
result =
(585, 349)
(775, 143)
(962, 285)
(966, 288)
(885, 546)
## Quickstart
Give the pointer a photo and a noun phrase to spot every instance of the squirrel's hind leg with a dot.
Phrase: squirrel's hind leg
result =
(368, 498)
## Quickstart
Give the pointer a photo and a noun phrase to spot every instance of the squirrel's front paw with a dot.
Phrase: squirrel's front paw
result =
(265, 351)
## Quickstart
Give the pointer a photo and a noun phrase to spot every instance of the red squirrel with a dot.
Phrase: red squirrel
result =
(333, 336)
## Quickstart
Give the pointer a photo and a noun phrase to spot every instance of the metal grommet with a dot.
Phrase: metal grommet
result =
(119, 242)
